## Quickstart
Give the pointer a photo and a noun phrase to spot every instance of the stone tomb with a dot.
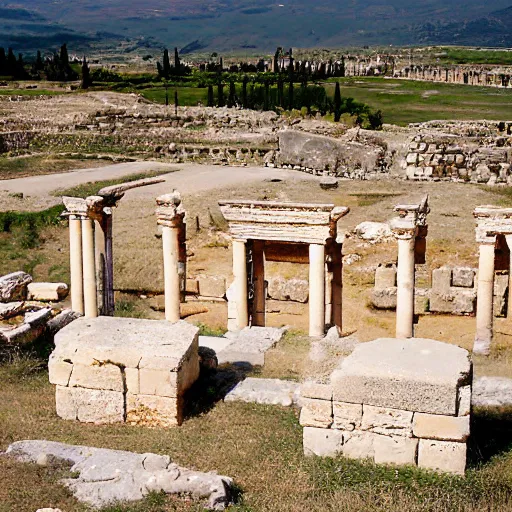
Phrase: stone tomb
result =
(109, 370)
(394, 401)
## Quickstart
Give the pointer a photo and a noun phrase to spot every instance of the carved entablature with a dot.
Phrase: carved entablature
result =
(411, 221)
(283, 221)
(170, 211)
(492, 221)
(93, 207)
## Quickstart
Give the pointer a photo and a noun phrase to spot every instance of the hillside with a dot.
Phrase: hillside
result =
(250, 25)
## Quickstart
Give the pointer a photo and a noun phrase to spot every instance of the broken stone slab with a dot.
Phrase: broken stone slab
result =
(106, 477)
(296, 290)
(33, 326)
(265, 391)
(13, 287)
(373, 231)
(249, 345)
(216, 343)
(416, 374)
(10, 309)
(47, 292)
(492, 392)
(60, 321)
(328, 183)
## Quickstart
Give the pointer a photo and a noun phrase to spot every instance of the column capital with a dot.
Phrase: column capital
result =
(411, 220)
(92, 207)
(170, 211)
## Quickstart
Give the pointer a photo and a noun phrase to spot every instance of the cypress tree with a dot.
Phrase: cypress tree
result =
(280, 92)
(11, 63)
(306, 100)
(177, 63)
(290, 65)
(290, 96)
(232, 94)
(86, 75)
(3, 61)
(166, 95)
(266, 95)
(244, 91)
(337, 103)
(210, 96)
(276, 60)
(20, 68)
(176, 102)
(221, 64)
(64, 57)
(166, 66)
(220, 99)
(39, 65)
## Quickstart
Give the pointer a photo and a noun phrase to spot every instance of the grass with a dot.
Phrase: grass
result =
(260, 447)
(29, 92)
(407, 101)
(187, 96)
(93, 187)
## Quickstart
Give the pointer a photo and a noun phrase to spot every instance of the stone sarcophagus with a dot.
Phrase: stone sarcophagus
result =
(109, 370)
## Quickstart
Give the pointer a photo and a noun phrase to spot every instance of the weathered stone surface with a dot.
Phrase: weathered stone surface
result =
(395, 450)
(10, 309)
(65, 317)
(457, 302)
(328, 183)
(212, 286)
(159, 382)
(296, 290)
(463, 277)
(464, 401)
(59, 371)
(492, 392)
(415, 375)
(47, 292)
(216, 343)
(439, 427)
(13, 287)
(384, 299)
(347, 416)
(89, 405)
(265, 391)
(373, 231)
(385, 421)
(316, 413)
(385, 277)
(153, 411)
(107, 376)
(442, 456)
(131, 376)
(322, 442)
(358, 445)
(312, 389)
(109, 476)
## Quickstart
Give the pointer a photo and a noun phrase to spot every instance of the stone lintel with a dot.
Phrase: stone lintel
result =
(93, 207)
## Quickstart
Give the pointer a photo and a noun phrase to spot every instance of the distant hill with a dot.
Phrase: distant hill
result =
(259, 25)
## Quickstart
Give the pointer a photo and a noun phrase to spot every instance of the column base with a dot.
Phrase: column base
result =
(482, 347)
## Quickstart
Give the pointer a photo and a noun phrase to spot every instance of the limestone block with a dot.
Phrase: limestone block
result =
(385, 421)
(47, 292)
(442, 428)
(358, 445)
(347, 416)
(385, 277)
(153, 410)
(458, 301)
(412, 159)
(59, 371)
(212, 286)
(500, 294)
(464, 401)
(89, 405)
(384, 299)
(106, 376)
(316, 413)
(13, 286)
(463, 277)
(311, 389)
(192, 286)
(296, 290)
(132, 380)
(395, 450)
(444, 456)
(442, 279)
(416, 374)
(373, 231)
(10, 309)
(158, 382)
(322, 442)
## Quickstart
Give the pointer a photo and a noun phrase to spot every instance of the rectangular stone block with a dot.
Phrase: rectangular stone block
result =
(311, 389)
(65, 403)
(443, 456)
(385, 277)
(464, 401)
(316, 413)
(153, 411)
(132, 380)
(463, 277)
(192, 286)
(158, 382)
(322, 442)
(442, 279)
(59, 371)
(442, 428)
(212, 286)
(106, 377)
(395, 450)
(358, 445)
(386, 421)
(347, 416)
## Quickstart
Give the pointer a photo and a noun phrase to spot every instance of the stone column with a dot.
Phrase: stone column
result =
(508, 238)
(258, 260)
(405, 288)
(76, 264)
(170, 216)
(484, 301)
(240, 283)
(89, 272)
(337, 286)
(316, 290)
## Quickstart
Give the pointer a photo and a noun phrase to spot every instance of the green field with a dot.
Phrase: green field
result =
(187, 96)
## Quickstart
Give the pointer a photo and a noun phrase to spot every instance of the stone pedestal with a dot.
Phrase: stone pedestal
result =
(109, 370)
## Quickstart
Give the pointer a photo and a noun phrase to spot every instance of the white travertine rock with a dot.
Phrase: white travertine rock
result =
(358, 444)
(152, 410)
(492, 392)
(105, 376)
(212, 286)
(322, 442)
(316, 413)
(312, 389)
(296, 290)
(347, 416)
(395, 450)
(59, 371)
(265, 391)
(442, 428)
(373, 231)
(414, 374)
(464, 401)
(47, 292)
(13, 286)
(381, 420)
(444, 456)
